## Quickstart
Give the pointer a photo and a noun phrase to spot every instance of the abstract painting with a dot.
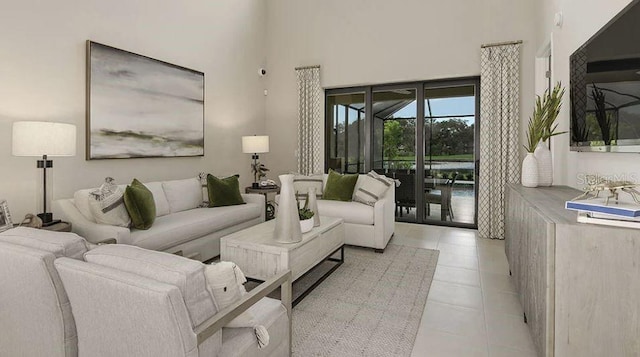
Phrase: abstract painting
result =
(141, 107)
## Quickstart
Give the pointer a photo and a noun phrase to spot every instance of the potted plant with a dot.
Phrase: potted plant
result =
(306, 217)
(535, 130)
(550, 105)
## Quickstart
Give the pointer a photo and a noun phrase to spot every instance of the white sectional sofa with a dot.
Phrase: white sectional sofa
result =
(181, 226)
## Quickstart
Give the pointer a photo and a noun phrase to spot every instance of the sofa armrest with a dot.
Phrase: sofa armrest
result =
(93, 232)
(256, 198)
(384, 218)
(224, 316)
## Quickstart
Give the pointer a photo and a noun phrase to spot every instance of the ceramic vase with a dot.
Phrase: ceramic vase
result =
(312, 202)
(545, 167)
(306, 225)
(529, 176)
(287, 220)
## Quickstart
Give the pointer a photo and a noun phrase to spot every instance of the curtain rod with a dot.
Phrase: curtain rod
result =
(501, 44)
(307, 67)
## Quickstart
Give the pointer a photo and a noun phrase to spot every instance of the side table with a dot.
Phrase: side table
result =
(269, 209)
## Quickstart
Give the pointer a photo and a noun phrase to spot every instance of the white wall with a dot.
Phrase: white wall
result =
(381, 41)
(582, 19)
(42, 77)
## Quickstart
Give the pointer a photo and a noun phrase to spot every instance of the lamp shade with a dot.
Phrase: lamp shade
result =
(255, 144)
(37, 138)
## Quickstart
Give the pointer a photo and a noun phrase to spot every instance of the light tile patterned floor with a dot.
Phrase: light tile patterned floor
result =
(472, 308)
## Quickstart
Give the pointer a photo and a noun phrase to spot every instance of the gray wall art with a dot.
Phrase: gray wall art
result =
(141, 107)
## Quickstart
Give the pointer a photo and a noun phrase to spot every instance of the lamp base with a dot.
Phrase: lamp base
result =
(47, 219)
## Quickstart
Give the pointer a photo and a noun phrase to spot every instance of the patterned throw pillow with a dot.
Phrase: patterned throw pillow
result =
(107, 205)
(302, 183)
(205, 191)
(225, 281)
(372, 188)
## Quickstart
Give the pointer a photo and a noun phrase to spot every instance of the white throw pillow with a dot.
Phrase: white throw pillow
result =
(302, 183)
(162, 205)
(371, 187)
(225, 280)
(183, 194)
(107, 205)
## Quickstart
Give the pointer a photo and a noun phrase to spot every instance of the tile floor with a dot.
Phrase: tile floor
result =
(472, 308)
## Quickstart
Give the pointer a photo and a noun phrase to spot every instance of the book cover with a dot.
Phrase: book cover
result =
(625, 209)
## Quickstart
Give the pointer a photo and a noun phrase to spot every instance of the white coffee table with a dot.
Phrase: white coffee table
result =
(260, 257)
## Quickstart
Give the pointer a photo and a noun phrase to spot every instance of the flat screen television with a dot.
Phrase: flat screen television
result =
(605, 87)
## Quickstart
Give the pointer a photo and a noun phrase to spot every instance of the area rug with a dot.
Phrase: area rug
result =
(370, 306)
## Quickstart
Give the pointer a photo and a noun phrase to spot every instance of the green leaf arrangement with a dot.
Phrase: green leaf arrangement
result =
(542, 125)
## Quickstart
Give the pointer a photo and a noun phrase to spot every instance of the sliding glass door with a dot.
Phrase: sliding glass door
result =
(433, 159)
(450, 123)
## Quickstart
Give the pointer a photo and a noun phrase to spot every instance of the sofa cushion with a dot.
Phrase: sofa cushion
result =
(339, 187)
(371, 187)
(351, 212)
(267, 312)
(186, 274)
(81, 201)
(183, 194)
(181, 227)
(162, 204)
(224, 192)
(61, 244)
(140, 205)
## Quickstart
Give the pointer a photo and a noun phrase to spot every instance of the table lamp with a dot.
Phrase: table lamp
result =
(44, 139)
(255, 145)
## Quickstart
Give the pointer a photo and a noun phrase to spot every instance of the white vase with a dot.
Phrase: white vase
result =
(545, 166)
(287, 220)
(529, 176)
(312, 202)
(306, 225)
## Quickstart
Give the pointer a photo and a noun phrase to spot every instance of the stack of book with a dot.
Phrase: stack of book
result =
(594, 210)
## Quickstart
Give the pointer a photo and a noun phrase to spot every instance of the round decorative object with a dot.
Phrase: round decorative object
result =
(306, 225)
(287, 228)
(529, 171)
(545, 165)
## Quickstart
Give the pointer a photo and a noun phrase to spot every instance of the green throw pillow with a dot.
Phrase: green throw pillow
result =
(339, 187)
(224, 192)
(140, 205)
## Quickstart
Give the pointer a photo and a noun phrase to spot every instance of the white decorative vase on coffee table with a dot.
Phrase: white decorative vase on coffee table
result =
(545, 166)
(529, 176)
(287, 228)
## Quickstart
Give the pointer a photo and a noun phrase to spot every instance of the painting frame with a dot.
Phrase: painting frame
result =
(151, 86)
(5, 216)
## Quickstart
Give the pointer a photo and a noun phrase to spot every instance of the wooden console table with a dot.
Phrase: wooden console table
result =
(579, 284)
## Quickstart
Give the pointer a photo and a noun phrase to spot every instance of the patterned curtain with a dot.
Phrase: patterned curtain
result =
(499, 132)
(309, 120)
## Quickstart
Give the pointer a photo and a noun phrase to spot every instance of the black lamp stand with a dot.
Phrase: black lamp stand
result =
(46, 217)
(255, 183)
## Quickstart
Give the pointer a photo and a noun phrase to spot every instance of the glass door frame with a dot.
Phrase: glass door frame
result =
(419, 87)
